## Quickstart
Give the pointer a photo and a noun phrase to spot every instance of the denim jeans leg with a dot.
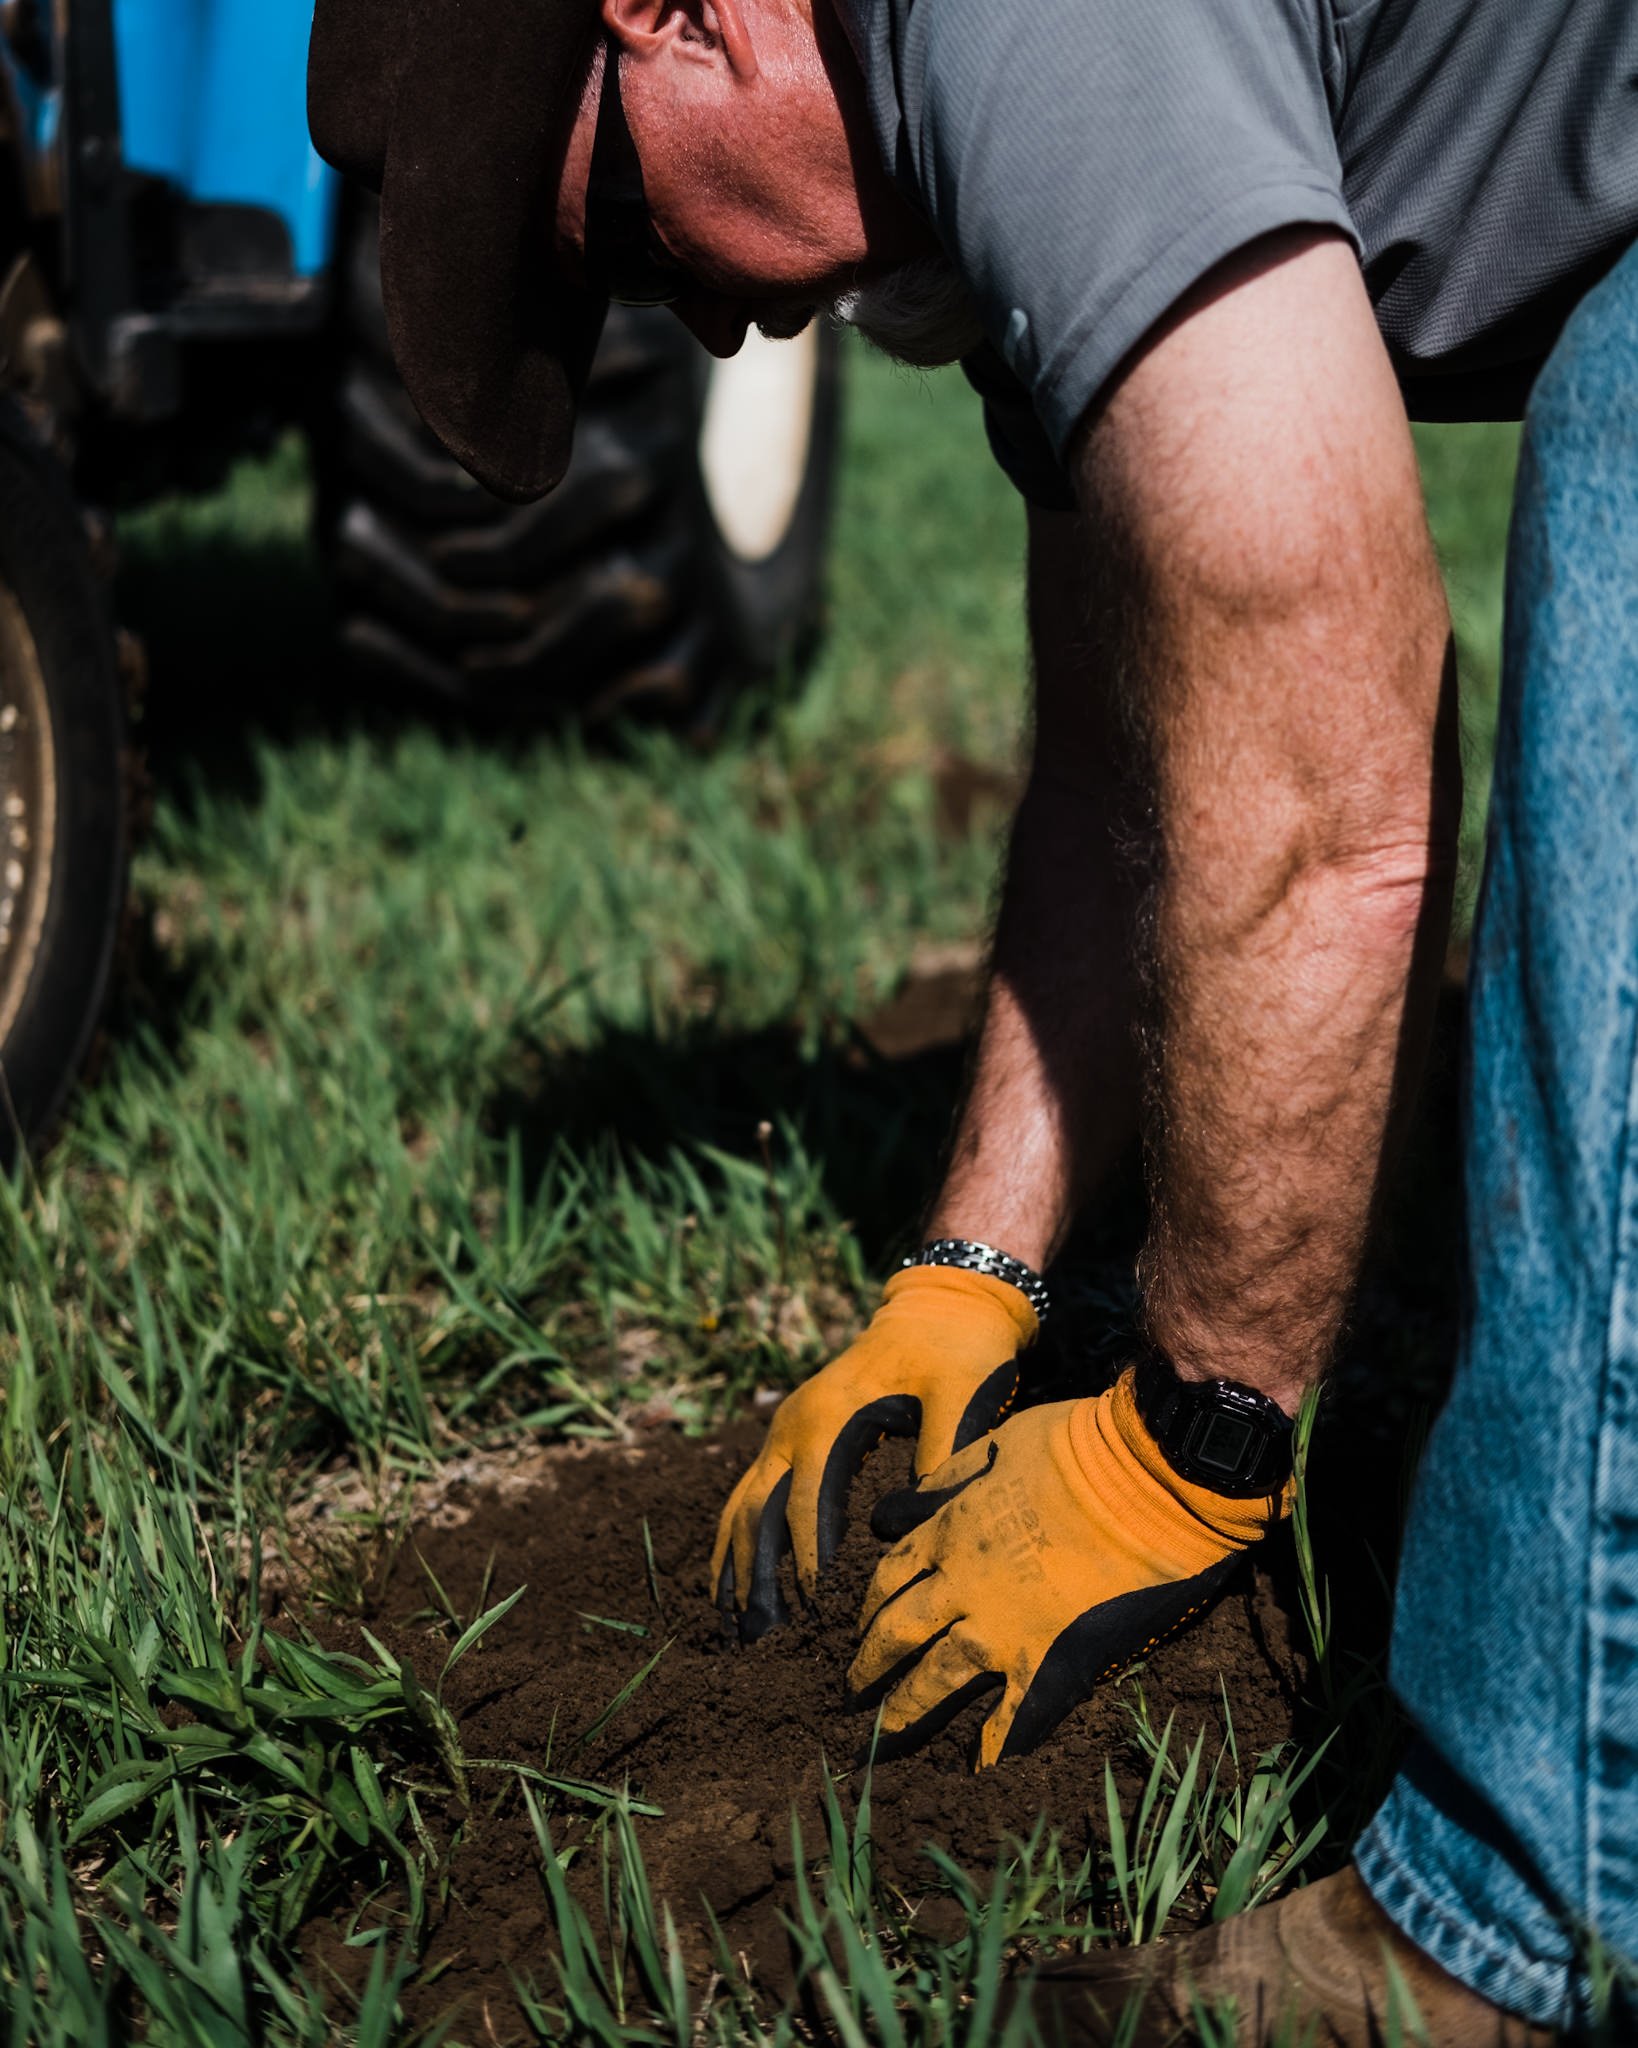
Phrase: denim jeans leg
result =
(1511, 1833)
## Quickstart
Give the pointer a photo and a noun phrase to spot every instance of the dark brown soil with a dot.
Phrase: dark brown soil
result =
(728, 1740)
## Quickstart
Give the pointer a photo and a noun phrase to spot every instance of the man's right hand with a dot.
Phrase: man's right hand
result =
(939, 1362)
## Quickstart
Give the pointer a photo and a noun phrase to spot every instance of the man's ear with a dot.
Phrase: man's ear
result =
(698, 29)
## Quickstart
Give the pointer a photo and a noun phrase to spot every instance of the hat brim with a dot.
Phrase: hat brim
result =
(493, 348)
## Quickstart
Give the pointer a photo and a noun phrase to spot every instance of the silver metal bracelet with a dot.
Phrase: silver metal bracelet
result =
(985, 1258)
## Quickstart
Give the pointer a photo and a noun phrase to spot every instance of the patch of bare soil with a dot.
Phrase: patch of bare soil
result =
(727, 1740)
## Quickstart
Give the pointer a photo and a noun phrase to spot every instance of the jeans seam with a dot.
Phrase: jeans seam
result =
(1621, 1302)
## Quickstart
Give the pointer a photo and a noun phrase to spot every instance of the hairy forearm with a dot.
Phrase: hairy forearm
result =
(1286, 648)
(1053, 1098)
(1054, 1090)
(1287, 1013)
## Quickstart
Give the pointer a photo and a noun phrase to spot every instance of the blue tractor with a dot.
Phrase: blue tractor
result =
(180, 276)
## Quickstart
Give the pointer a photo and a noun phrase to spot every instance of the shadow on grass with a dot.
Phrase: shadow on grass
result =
(876, 1127)
(237, 633)
(231, 601)
(235, 611)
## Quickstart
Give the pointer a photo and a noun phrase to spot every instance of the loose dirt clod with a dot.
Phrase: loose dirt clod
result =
(727, 1740)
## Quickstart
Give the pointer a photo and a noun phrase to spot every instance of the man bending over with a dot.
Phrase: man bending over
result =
(1216, 251)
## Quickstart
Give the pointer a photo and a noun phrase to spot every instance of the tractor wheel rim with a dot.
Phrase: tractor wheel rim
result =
(28, 807)
(755, 437)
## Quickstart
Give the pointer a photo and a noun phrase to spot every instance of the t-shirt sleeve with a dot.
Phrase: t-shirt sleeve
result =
(1085, 162)
(1017, 439)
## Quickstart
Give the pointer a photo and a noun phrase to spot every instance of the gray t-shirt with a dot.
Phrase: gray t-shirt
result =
(1084, 162)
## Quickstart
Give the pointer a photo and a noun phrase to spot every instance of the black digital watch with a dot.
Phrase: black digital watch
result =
(1214, 1432)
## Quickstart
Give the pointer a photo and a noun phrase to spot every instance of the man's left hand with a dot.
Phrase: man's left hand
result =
(1044, 1559)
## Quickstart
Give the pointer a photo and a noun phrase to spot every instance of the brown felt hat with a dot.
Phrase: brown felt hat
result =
(452, 110)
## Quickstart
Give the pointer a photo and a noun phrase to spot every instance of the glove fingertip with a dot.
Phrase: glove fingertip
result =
(723, 1597)
(990, 1404)
(806, 1558)
(764, 1606)
(935, 1442)
(994, 1742)
(890, 1651)
(898, 1512)
(896, 1415)
(891, 1744)
(760, 1617)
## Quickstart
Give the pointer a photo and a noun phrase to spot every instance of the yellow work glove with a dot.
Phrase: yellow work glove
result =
(1052, 1554)
(939, 1362)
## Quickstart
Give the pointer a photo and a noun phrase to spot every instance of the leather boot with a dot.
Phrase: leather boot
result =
(1316, 1967)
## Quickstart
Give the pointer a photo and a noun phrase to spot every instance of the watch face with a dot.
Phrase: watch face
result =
(1222, 1442)
(1228, 1437)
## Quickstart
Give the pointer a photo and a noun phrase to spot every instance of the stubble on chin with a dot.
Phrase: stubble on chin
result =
(784, 323)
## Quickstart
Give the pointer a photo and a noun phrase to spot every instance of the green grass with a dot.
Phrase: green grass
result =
(467, 1091)
(404, 993)
(1467, 473)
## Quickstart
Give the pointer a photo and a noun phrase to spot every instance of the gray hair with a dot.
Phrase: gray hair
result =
(920, 313)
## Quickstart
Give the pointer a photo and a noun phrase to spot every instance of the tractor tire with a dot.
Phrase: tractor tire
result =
(63, 794)
(681, 557)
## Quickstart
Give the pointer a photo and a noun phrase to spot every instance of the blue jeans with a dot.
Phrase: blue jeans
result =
(1511, 1833)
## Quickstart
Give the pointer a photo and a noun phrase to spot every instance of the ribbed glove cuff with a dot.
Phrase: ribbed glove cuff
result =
(1117, 1455)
